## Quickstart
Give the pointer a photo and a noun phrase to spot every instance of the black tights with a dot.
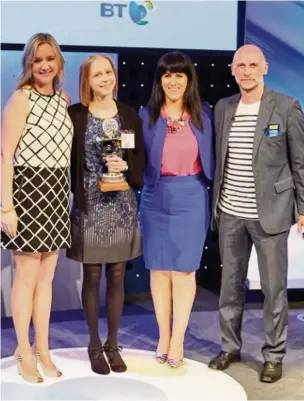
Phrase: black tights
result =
(114, 299)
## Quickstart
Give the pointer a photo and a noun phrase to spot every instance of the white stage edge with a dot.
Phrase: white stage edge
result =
(145, 379)
(295, 264)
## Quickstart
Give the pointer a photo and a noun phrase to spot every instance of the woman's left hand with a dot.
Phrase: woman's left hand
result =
(115, 164)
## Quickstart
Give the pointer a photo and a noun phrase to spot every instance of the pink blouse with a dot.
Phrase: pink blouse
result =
(181, 153)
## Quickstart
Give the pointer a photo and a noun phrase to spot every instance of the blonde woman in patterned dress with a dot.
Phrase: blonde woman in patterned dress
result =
(36, 144)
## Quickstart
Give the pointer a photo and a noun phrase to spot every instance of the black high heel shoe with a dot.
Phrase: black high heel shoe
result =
(114, 358)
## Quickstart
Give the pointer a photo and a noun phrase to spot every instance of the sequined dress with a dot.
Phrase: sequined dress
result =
(109, 232)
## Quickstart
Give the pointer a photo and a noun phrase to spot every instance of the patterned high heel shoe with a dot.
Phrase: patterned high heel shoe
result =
(161, 358)
(175, 363)
(29, 378)
(48, 372)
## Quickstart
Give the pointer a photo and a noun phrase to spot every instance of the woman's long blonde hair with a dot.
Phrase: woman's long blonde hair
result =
(30, 49)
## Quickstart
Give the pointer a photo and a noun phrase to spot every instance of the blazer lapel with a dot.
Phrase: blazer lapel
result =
(266, 109)
(158, 135)
(228, 118)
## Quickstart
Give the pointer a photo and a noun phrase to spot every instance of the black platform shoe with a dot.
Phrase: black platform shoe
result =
(114, 358)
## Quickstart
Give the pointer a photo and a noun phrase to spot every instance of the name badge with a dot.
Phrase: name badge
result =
(127, 140)
(273, 130)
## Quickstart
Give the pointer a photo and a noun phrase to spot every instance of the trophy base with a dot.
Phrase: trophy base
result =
(108, 186)
(113, 177)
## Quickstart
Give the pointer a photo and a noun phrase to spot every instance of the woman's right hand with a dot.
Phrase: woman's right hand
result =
(9, 223)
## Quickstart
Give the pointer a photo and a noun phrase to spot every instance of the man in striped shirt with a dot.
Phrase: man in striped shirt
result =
(259, 180)
(238, 196)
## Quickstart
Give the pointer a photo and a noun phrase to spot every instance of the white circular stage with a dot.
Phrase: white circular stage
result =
(145, 380)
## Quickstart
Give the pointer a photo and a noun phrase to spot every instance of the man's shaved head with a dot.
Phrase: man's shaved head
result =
(247, 50)
(249, 67)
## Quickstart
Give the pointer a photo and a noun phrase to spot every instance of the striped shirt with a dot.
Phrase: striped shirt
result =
(238, 195)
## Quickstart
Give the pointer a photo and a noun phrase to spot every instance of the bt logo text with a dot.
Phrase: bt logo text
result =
(137, 12)
(110, 10)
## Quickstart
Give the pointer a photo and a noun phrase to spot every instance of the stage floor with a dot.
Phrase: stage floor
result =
(138, 330)
(145, 380)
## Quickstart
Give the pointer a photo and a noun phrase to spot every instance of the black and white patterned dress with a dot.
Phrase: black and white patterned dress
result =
(41, 187)
(109, 232)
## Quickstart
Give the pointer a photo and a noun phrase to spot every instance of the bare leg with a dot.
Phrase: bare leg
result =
(160, 282)
(27, 269)
(184, 289)
(42, 305)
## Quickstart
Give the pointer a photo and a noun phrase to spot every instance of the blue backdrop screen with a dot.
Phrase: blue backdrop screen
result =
(278, 28)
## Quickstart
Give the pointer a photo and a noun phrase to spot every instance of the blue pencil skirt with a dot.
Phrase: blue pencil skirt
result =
(174, 216)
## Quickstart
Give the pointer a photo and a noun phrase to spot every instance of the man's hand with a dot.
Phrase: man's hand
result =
(300, 225)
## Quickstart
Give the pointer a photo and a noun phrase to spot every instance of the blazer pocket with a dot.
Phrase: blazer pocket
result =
(276, 138)
(283, 185)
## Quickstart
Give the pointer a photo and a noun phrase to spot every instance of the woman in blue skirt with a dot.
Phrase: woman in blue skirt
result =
(174, 209)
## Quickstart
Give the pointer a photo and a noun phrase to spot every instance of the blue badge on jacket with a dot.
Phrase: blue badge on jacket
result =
(273, 130)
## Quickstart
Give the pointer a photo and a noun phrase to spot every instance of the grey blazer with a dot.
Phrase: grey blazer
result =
(278, 161)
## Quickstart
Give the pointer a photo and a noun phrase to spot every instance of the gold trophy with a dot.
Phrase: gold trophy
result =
(111, 146)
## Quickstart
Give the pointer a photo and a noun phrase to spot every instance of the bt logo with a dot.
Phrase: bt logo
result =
(137, 11)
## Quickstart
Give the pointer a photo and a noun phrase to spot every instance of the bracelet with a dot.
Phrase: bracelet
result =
(8, 210)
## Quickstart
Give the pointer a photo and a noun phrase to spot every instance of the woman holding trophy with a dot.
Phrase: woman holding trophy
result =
(107, 164)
